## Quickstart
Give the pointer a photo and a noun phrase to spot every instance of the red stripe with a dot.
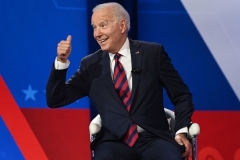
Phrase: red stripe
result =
(119, 80)
(133, 140)
(128, 107)
(116, 71)
(130, 131)
(18, 126)
(132, 128)
(123, 89)
(127, 97)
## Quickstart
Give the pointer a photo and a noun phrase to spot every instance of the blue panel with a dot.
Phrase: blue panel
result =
(30, 32)
(70, 4)
(169, 24)
(8, 148)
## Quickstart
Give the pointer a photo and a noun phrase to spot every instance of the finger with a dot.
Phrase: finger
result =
(69, 38)
(64, 47)
(187, 149)
(60, 52)
(185, 154)
(179, 140)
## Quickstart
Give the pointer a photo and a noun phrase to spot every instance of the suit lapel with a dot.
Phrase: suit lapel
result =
(108, 77)
(136, 56)
(106, 71)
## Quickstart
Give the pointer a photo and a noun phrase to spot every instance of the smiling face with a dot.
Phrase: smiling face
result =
(109, 32)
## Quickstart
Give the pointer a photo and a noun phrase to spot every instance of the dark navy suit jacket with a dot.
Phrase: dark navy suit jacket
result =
(155, 72)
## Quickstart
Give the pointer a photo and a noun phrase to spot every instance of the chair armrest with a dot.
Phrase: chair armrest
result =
(194, 130)
(93, 129)
(95, 126)
(97, 120)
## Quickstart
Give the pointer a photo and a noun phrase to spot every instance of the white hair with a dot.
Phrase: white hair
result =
(118, 11)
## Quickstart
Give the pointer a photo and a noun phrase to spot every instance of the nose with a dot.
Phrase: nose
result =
(97, 32)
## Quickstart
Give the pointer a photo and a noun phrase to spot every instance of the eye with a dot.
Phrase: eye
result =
(103, 25)
(94, 27)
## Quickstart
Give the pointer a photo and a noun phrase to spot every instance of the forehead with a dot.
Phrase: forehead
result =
(102, 15)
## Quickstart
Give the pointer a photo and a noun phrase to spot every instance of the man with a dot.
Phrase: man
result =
(134, 125)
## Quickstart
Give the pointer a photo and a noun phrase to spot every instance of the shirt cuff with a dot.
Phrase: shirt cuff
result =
(59, 65)
(182, 130)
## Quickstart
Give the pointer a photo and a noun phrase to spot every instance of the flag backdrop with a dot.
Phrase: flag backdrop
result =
(202, 38)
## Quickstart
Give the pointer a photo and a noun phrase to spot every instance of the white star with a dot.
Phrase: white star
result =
(30, 93)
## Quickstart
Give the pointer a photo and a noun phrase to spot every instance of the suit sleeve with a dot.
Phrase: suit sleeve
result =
(176, 89)
(61, 93)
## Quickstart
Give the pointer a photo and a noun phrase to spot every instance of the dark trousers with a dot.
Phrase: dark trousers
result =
(147, 147)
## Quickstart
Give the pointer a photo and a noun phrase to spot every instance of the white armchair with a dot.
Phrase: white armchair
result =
(194, 130)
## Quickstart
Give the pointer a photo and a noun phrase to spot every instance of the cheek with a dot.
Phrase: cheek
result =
(94, 34)
(116, 36)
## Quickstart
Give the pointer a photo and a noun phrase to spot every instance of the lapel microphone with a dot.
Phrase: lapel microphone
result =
(136, 71)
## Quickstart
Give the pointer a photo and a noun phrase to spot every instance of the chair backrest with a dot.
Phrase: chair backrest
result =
(171, 118)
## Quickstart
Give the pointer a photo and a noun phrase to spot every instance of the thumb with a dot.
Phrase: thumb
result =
(69, 38)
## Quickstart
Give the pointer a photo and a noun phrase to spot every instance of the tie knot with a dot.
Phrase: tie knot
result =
(117, 56)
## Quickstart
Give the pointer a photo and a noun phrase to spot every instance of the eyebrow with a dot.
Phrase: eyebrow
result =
(104, 21)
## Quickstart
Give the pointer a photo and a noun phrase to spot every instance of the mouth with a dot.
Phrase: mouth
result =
(102, 41)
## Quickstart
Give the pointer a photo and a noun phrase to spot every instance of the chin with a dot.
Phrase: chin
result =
(104, 48)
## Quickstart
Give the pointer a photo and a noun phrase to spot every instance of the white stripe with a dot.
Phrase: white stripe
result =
(218, 24)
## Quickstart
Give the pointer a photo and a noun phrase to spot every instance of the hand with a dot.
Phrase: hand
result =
(182, 140)
(64, 49)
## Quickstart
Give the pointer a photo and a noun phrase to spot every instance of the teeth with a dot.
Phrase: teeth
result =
(101, 41)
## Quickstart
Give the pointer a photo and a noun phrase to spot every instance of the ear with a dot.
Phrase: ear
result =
(123, 25)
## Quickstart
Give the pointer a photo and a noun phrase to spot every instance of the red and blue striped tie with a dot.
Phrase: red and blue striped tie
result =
(122, 88)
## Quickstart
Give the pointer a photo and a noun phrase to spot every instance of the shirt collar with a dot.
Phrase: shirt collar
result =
(124, 51)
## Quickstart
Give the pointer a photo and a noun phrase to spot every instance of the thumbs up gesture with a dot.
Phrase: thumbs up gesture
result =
(64, 49)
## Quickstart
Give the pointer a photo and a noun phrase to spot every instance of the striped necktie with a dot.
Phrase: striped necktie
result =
(122, 88)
